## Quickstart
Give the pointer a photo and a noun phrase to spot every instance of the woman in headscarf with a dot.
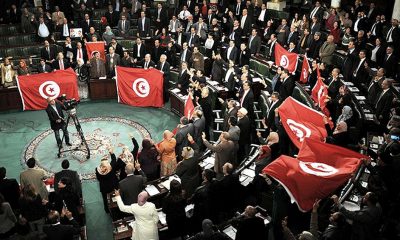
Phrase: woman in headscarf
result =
(7, 73)
(108, 35)
(346, 116)
(105, 174)
(148, 159)
(166, 149)
(339, 136)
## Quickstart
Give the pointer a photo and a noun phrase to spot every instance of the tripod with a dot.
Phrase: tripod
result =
(72, 115)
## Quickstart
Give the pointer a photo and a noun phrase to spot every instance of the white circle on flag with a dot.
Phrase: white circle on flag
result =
(284, 61)
(49, 89)
(298, 129)
(318, 169)
(141, 87)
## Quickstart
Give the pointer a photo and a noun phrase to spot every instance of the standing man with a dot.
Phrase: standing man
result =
(57, 122)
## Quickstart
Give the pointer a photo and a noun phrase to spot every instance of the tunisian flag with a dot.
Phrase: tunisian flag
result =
(305, 70)
(285, 59)
(140, 87)
(317, 172)
(319, 94)
(36, 88)
(301, 122)
(189, 107)
(92, 47)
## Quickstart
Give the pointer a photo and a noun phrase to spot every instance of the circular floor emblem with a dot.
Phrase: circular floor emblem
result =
(299, 129)
(49, 89)
(141, 87)
(284, 61)
(318, 169)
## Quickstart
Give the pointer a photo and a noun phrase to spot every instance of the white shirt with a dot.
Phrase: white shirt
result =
(143, 21)
(262, 15)
(356, 24)
(173, 28)
(358, 67)
(43, 31)
(373, 53)
(138, 49)
(228, 73)
(243, 21)
(389, 35)
(314, 12)
(243, 97)
(209, 43)
(65, 30)
(184, 14)
(228, 52)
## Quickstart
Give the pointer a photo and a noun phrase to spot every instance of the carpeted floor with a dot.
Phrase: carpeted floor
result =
(111, 124)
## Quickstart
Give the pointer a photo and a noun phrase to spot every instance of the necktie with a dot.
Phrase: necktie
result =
(389, 35)
(238, 9)
(98, 66)
(79, 53)
(123, 25)
(290, 35)
(162, 66)
(146, 65)
(373, 29)
(61, 65)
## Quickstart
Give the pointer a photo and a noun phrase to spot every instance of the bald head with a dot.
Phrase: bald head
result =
(142, 198)
(129, 168)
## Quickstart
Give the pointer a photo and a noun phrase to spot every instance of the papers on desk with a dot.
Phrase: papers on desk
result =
(212, 83)
(207, 163)
(348, 83)
(351, 206)
(257, 80)
(122, 228)
(354, 89)
(360, 98)
(102, 78)
(175, 90)
(369, 116)
(230, 232)
(151, 190)
(162, 217)
(245, 180)
(249, 172)
(219, 88)
(167, 183)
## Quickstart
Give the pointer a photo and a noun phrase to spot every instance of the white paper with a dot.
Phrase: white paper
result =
(242, 178)
(209, 166)
(189, 207)
(152, 190)
(231, 232)
(175, 90)
(256, 79)
(354, 89)
(209, 160)
(348, 84)
(247, 181)
(249, 172)
(162, 217)
(360, 98)
(167, 182)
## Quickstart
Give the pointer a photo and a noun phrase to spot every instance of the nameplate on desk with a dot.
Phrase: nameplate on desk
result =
(151, 190)
(167, 183)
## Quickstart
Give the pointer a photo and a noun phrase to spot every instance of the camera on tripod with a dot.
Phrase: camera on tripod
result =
(69, 104)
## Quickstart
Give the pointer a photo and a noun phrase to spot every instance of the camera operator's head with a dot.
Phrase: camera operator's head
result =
(51, 101)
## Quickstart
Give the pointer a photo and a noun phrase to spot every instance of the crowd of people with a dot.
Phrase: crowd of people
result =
(183, 35)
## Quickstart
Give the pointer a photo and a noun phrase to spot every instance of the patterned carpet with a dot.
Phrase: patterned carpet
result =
(24, 134)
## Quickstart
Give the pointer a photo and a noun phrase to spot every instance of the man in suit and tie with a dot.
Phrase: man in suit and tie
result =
(315, 25)
(275, 102)
(287, 85)
(375, 30)
(48, 52)
(97, 66)
(86, 24)
(132, 185)
(71, 175)
(317, 11)
(236, 33)
(57, 120)
(282, 32)
(143, 25)
(293, 36)
(350, 61)
(161, 17)
(186, 54)
(393, 34)
(245, 23)
(123, 26)
(164, 67)
(61, 63)
(360, 73)
(244, 55)
(183, 78)
(326, 50)
(43, 67)
(139, 50)
(238, 8)
(80, 53)
(384, 103)
(181, 136)
(254, 43)
(192, 38)
(64, 29)
(66, 229)
(375, 86)
(313, 51)
(246, 99)
(9, 188)
(34, 176)
(390, 62)
(229, 78)
(271, 46)
(199, 124)
(112, 60)
(147, 63)
(231, 52)
(112, 16)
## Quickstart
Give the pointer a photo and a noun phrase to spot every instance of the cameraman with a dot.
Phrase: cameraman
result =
(56, 117)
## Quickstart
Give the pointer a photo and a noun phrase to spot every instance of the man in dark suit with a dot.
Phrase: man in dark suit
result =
(245, 132)
(112, 60)
(244, 55)
(192, 39)
(231, 52)
(271, 45)
(317, 11)
(64, 29)
(349, 61)
(376, 30)
(375, 86)
(315, 26)
(236, 33)
(254, 42)
(112, 16)
(249, 226)
(275, 102)
(181, 136)
(313, 51)
(287, 85)
(361, 23)
(71, 175)
(384, 103)
(164, 67)
(132, 185)
(143, 25)
(390, 62)
(334, 83)
(61, 63)
(238, 8)
(246, 99)
(9, 188)
(139, 50)
(48, 52)
(186, 54)
(147, 63)
(161, 17)
(245, 23)
(97, 66)
(57, 121)
(183, 78)
(86, 24)
(199, 124)
(293, 36)
(43, 67)
(282, 32)
(124, 25)
(66, 229)
(157, 50)
(360, 73)
(80, 52)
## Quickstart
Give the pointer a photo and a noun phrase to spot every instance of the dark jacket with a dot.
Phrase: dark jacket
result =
(53, 116)
(189, 172)
(131, 186)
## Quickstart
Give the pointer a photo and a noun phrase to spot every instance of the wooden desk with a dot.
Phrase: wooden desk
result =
(177, 103)
(123, 223)
(10, 99)
(102, 89)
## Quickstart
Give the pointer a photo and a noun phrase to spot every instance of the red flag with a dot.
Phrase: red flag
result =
(305, 70)
(301, 122)
(36, 88)
(140, 87)
(189, 107)
(319, 94)
(92, 47)
(317, 172)
(285, 59)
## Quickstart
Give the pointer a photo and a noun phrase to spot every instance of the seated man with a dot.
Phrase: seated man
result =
(64, 229)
